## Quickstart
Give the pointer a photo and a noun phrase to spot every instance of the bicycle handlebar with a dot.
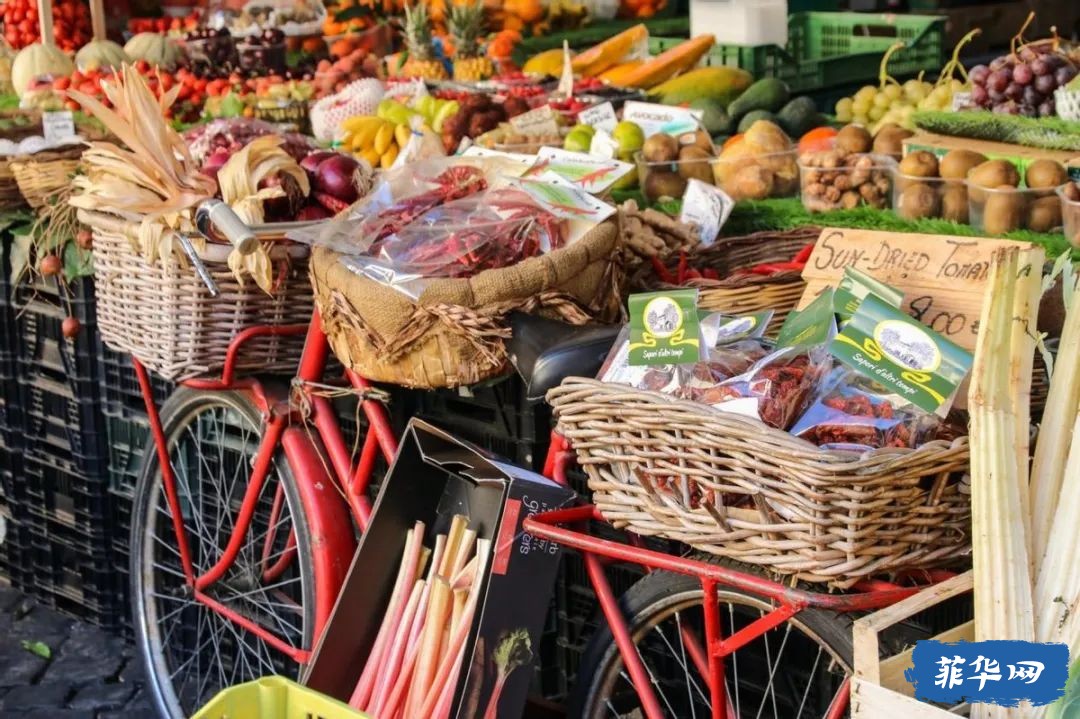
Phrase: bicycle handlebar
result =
(214, 219)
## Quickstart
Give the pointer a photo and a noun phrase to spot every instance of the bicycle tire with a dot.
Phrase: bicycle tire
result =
(655, 595)
(149, 573)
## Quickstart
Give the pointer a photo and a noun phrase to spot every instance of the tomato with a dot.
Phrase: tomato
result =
(72, 105)
(89, 87)
(61, 83)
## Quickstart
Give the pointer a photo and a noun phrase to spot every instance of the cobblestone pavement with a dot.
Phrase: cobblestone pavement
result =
(90, 674)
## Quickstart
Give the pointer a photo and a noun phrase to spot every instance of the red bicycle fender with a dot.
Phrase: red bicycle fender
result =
(333, 541)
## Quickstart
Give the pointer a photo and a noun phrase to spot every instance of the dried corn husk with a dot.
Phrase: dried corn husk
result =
(239, 180)
(154, 176)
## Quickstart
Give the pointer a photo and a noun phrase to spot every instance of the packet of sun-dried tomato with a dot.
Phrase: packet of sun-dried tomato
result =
(701, 381)
(854, 412)
(776, 388)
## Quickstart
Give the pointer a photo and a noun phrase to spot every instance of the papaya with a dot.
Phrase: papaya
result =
(610, 52)
(720, 84)
(617, 75)
(671, 62)
(549, 62)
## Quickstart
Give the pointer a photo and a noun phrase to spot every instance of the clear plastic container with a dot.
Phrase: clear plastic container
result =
(833, 181)
(758, 177)
(1070, 212)
(669, 179)
(920, 198)
(996, 212)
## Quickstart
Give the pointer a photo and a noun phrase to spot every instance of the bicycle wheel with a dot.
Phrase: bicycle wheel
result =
(792, 672)
(189, 650)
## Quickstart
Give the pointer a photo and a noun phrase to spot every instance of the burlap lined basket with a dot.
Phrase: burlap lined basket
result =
(165, 316)
(454, 333)
(733, 487)
(38, 179)
(741, 292)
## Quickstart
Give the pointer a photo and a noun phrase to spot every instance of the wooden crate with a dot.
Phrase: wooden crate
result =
(879, 689)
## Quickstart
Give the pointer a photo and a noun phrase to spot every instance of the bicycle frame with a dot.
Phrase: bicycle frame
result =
(324, 508)
(329, 512)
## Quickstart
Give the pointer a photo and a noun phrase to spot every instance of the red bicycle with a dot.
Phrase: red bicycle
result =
(246, 517)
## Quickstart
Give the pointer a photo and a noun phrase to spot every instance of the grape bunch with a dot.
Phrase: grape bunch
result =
(1022, 84)
(894, 103)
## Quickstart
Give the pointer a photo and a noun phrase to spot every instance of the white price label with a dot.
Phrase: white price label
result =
(57, 126)
(653, 118)
(707, 208)
(962, 101)
(538, 122)
(602, 117)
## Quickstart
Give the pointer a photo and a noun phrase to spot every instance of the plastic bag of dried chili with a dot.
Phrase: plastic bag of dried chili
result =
(853, 412)
(777, 388)
(701, 381)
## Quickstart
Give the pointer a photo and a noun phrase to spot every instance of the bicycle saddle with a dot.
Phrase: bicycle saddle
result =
(547, 351)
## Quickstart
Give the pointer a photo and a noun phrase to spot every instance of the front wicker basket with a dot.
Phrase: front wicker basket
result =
(164, 315)
(733, 487)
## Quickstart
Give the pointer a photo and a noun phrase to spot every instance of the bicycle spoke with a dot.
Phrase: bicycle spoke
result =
(813, 673)
(681, 660)
(771, 686)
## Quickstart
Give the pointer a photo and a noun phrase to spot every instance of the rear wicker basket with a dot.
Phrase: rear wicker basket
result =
(164, 315)
(733, 487)
(453, 334)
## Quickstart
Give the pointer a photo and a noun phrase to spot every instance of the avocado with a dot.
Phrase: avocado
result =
(769, 94)
(715, 121)
(751, 117)
(799, 117)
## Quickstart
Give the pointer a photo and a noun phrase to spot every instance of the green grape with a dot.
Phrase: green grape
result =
(883, 101)
(894, 92)
(913, 90)
(942, 96)
(861, 107)
(844, 109)
(866, 93)
(876, 113)
(957, 85)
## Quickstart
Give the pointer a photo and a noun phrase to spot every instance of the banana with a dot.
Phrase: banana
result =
(355, 143)
(356, 123)
(366, 136)
(383, 138)
(402, 133)
(388, 157)
(372, 157)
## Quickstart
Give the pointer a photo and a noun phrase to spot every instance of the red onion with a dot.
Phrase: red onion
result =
(214, 163)
(311, 162)
(310, 213)
(334, 176)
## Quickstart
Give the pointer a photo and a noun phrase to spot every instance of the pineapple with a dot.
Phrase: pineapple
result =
(466, 25)
(421, 62)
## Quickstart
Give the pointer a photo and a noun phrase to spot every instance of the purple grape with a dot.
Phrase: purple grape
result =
(998, 62)
(1014, 91)
(1064, 75)
(1040, 67)
(996, 97)
(1027, 54)
(1007, 108)
(1032, 96)
(998, 81)
(979, 74)
(1023, 75)
(1054, 61)
(980, 96)
(1047, 108)
(1028, 110)
(1046, 84)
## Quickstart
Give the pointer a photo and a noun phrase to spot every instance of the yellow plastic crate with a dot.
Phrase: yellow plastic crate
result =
(274, 698)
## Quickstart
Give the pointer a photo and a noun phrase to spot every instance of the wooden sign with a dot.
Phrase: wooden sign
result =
(943, 278)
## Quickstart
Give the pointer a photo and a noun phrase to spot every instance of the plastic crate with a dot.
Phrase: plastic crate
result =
(121, 395)
(127, 441)
(828, 49)
(55, 494)
(58, 424)
(274, 698)
(74, 578)
(670, 22)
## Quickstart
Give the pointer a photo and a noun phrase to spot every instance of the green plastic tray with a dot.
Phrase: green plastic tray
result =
(593, 34)
(829, 49)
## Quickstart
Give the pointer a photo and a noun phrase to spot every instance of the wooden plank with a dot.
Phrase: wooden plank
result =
(892, 669)
(870, 701)
(907, 608)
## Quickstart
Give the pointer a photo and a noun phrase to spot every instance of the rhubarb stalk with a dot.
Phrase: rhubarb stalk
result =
(392, 665)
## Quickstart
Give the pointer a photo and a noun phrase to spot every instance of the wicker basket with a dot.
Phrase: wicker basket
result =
(165, 316)
(454, 333)
(733, 487)
(745, 293)
(39, 178)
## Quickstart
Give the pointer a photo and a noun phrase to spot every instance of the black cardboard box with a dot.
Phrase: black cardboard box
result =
(434, 477)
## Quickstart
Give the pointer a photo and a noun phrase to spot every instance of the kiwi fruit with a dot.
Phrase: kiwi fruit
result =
(954, 203)
(889, 140)
(1003, 211)
(854, 139)
(662, 183)
(660, 148)
(995, 173)
(1045, 174)
(1044, 214)
(699, 139)
(918, 201)
(957, 163)
(919, 164)
(694, 164)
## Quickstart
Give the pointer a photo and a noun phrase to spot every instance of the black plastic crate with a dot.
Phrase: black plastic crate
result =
(61, 424)
(121, 395)
(56, 493)
(126, 439)
(74, 578)
(41, 307)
